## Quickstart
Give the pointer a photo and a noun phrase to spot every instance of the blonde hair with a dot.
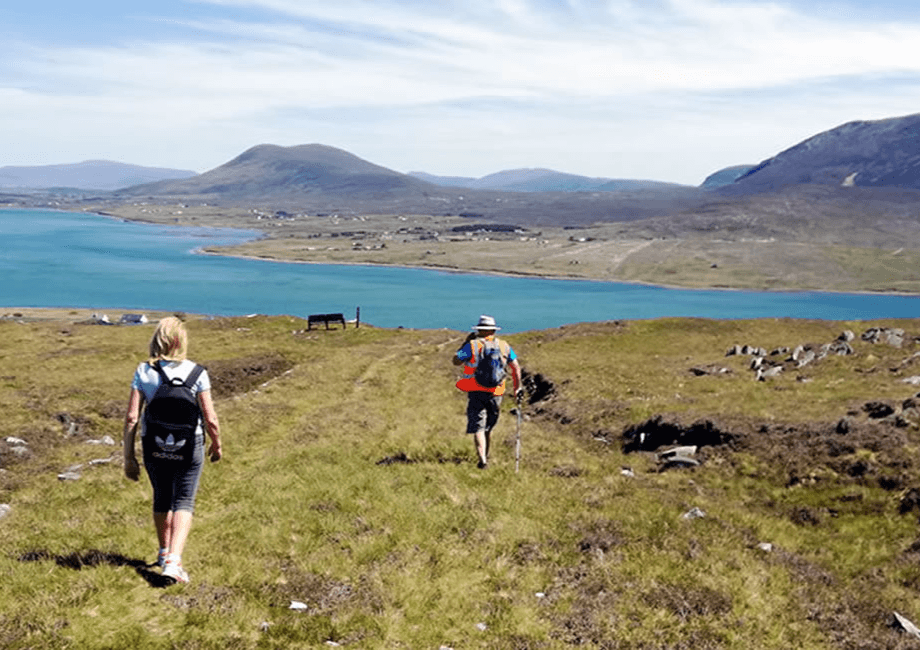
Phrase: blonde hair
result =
(170, 340)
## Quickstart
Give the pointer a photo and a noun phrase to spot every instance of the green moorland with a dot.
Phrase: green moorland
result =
(348, 486)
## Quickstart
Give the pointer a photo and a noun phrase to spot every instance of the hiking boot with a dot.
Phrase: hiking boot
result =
(175, 572)
(482, 464)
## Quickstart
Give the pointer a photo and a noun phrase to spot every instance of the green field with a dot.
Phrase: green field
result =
(349, 486)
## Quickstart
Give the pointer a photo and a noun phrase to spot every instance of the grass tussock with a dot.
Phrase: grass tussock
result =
(349, 487)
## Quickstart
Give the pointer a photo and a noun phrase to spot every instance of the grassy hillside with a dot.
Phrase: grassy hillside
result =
(348, 486)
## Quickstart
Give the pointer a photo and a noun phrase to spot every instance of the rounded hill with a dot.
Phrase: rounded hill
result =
(272, 172)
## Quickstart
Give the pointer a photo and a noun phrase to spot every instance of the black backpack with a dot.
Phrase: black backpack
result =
(171, 418)
(491, 366)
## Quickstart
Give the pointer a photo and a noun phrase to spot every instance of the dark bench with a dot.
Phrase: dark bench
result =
(325, 319)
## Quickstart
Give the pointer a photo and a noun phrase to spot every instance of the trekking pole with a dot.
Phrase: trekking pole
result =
(517, 441)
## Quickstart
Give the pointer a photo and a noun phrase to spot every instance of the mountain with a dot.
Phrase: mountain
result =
(881, 153)
(270, 172)
(319, 178)
(725, 176)
(538, 180)
(88, 175)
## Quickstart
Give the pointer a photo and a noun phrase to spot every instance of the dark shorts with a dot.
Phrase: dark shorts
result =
(482, 411)
(175, 485)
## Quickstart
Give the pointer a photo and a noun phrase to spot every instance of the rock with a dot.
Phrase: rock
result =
(693, 513)
(766, 547)
(72, 473)
(806, 357)
(20, 450)
(15, 442)
(482, 627)
(901, 623)
(893, 336)
(768, 373)
(913, 381)
(685, 451)
(5, 509)
(104, 440)
(679, 461)
(840, 348)
(733, 350)
(847, 336)
(297, 606)
(627, 472)
(703, 371)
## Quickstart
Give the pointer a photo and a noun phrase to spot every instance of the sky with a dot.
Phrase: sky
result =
(668, 90)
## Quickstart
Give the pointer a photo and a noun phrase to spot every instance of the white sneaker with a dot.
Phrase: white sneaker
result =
(175, 572)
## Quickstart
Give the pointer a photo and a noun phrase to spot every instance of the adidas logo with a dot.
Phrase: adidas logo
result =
(170, 443)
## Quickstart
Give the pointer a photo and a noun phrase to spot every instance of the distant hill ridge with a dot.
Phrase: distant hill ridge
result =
(89, 175)
(539, 180)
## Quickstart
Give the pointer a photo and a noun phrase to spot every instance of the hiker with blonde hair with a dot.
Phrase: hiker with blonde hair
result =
(486, 360)
(175, 394)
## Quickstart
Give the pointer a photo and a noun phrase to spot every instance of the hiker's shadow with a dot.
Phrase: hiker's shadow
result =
(92, 558)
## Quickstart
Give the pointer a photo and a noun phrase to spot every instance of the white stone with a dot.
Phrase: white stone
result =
(907, 626)
(694, 513)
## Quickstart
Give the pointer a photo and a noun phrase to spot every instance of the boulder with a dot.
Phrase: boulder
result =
(904, 625)
(806, 357)
(893, 336)
(767, 373)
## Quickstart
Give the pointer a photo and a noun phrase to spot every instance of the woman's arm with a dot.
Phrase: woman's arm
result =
(132, 417)
(211, 424)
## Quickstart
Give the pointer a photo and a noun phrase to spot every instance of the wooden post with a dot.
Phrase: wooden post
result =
(358, 317)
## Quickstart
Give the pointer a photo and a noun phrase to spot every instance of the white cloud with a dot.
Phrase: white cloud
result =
(478, 84)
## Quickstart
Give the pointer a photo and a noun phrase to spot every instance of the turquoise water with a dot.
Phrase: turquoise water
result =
(62, 259)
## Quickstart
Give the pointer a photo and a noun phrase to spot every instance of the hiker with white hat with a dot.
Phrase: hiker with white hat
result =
(486, 360)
